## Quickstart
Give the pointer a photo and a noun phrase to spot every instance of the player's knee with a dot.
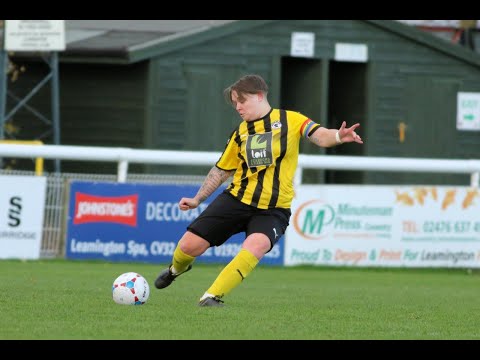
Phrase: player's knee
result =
(258, 244)
(193, 245)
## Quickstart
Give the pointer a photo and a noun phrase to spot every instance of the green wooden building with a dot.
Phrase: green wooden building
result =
(163, 90)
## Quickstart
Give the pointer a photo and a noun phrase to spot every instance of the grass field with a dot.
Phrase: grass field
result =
(58, 299)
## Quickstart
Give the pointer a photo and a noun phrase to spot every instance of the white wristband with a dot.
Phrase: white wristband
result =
(337, 138)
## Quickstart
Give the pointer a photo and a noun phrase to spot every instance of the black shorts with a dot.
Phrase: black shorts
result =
(227, 216)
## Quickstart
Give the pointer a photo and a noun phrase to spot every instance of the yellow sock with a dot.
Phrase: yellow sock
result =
(181, 260)
(234, 273)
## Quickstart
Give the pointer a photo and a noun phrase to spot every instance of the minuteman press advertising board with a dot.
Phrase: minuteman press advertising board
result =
(139, 223)
(396, 226)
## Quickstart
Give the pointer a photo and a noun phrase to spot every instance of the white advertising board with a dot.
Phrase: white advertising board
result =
(22, 202)
(34, 35)
(385, 226)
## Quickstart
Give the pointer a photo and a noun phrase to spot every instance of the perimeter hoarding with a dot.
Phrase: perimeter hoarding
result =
(22, 203)
(391, 226)
(139, 223)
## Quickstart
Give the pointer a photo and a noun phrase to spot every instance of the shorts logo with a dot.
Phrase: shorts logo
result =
(275, 231)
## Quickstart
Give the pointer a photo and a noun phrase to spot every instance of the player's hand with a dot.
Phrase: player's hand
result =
(349, 134)
(187, 204)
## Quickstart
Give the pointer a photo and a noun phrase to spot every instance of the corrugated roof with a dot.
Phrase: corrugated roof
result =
(129, 46)
(114, 43)
(114, 40)
(168, 26)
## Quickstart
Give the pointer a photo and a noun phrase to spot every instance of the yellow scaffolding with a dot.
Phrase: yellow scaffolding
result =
(38, 161)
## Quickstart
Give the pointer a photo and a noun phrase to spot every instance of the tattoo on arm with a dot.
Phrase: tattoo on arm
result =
(323, 137)
(214, 179)
(314, 140)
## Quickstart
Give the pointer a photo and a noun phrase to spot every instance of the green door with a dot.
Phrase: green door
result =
(430, 130)
(301, 90)
(347, 101)
(209, 118)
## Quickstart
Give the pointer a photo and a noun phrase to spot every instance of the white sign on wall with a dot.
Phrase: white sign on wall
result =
(387, 226)
(34, 35)
(302, 44)
(22, 202)
(468, 111)
(351, 52)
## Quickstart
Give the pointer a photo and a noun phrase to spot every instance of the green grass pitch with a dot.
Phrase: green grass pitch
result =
(59, 299)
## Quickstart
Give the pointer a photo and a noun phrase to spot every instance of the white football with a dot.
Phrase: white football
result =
(130, 288)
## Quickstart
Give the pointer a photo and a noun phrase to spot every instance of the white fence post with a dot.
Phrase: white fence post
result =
(475, 180)
(122, 171)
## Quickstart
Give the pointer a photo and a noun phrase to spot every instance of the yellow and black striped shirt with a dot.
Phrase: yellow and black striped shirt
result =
(264, 155)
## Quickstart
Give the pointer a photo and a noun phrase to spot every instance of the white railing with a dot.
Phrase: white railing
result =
(124, 156)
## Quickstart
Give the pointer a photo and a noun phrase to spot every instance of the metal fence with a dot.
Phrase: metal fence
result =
(57, 183)
(56, 201)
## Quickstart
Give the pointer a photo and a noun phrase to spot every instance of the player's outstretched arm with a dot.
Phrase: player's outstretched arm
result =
(330, 137)
(214, 179)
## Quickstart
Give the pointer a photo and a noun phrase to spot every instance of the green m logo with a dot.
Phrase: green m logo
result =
(311, 218)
